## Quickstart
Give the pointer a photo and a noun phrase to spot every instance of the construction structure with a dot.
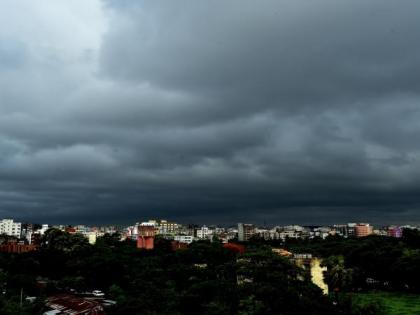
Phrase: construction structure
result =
(146, 236)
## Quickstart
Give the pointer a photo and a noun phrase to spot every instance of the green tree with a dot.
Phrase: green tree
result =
(337, 277)
(57, 240)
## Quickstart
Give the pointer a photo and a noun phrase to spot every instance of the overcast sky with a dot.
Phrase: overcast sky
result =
(284, 111)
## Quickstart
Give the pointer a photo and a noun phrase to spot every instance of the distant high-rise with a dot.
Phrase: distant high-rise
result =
(351, 229)
(342, 229)
(363, 229)
(245, 232)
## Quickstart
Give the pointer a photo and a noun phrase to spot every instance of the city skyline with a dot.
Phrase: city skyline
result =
(284, 111)
(224, 225)
(144, 232)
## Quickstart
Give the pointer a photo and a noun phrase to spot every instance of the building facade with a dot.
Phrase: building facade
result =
(394, 231)
(245, 231)
(363, 229)
(188, 239)
(146, 236)
(204, 233)
(10, 228)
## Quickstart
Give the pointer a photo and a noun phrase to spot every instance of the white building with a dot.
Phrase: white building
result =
(8, 227)
(184, 238)
(204, 233)
(290, 234)
(296, 228)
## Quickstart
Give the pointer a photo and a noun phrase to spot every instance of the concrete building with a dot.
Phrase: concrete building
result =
(146, 236)
(351, 229)
(363, 229)
(290, 234)
(296, 228)
(245, 231)
(166, 227)
(204, 233)
(11, 228)
(342, 230)
(322, 232)
(394, 231)
(188, 239)
(132, 232)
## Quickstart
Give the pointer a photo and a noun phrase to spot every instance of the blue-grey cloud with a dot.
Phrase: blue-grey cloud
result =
(290, 111)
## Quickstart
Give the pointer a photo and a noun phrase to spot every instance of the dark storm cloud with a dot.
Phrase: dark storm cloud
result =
(290, 111)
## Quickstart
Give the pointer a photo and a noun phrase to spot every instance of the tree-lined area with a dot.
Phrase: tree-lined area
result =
(373, 262)
(207, 278)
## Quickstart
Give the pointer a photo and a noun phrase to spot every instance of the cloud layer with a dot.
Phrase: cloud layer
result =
(218, 111)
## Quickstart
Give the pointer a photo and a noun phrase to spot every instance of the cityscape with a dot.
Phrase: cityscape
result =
(184, 234)
(214, 157)
(45, 292)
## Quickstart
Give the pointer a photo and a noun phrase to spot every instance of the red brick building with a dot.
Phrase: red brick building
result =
(17, 248)
(70, 230)
(146, 237)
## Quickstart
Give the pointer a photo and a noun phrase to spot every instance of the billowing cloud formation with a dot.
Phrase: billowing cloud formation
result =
(216, 111)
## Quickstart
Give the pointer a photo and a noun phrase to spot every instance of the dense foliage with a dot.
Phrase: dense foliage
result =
(206, 278)
(203, 279)
(384, 263)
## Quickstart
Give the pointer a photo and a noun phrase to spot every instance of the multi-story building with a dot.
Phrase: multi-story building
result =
(245, 231)
(166, 227)
(394, 231)
(205, 233)
(263, 233)
(191, 229)
(351, 229)
(296, 228)
(132, 232)
(341, 229)
(146, 236)
(322, 232)
(363, 229)
(184, 238)
(11, 228)
(290, 234)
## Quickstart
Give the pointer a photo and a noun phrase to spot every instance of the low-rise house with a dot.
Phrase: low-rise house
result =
(17, 248)
(184, 238)
(72, 305)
